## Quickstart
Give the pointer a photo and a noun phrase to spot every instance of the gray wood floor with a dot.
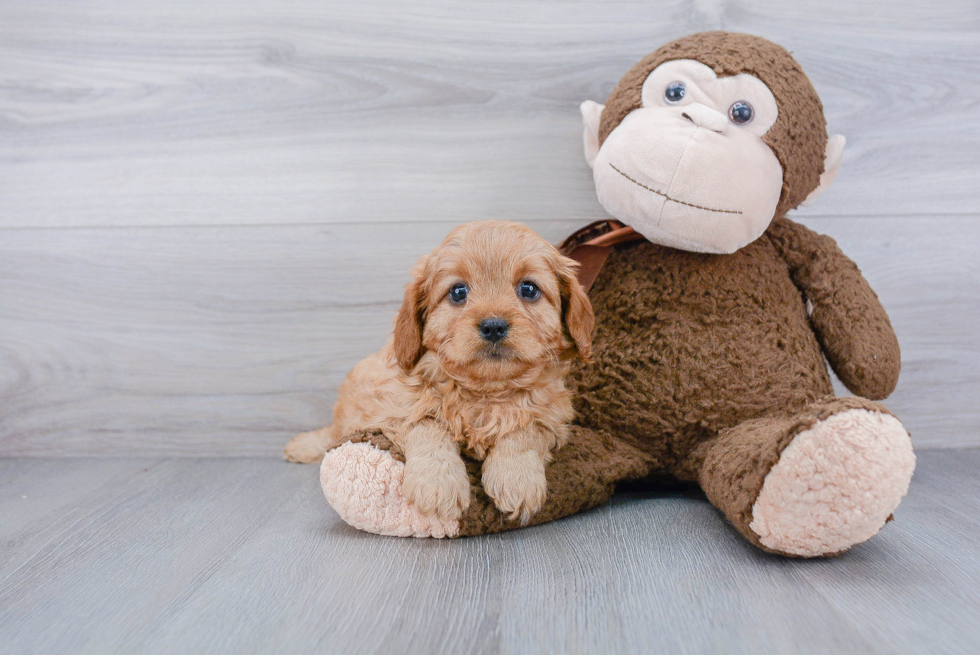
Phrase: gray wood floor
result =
(243, 555)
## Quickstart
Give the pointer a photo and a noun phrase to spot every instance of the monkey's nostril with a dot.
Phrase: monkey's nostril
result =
(705, 117)
(494, 329)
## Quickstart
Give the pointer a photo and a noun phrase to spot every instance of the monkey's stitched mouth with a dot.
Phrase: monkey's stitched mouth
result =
(680, 202)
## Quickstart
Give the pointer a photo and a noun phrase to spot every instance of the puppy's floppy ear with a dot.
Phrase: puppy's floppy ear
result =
(411, 320)
(576, 310)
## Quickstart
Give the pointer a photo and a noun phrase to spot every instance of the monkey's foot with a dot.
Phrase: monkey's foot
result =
(835, 484)
(363, 483)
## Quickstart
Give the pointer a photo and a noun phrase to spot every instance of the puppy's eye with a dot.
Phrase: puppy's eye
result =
(458, 293)
(528, 290)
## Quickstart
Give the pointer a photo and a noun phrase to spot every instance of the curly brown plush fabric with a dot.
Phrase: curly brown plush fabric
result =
(377, 439)
(799, 136)
(688, 344)
(849, 321)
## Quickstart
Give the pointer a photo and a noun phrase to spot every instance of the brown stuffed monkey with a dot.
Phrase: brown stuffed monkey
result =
(714, 313)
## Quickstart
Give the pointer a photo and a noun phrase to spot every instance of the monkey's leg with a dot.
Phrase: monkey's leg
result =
(362, 480)
(583, 474)
(812, 484)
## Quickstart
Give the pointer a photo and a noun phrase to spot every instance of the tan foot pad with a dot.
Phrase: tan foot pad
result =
(364, 485)
(835, 485)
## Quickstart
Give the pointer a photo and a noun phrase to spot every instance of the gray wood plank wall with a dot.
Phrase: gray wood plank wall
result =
(208, 209)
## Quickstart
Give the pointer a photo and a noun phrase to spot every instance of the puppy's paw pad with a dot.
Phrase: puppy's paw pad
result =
(364, 485)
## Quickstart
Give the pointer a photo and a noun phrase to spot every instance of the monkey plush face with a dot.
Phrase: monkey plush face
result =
(703, 142)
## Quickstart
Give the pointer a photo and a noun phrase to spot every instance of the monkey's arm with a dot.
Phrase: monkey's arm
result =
(847, 317)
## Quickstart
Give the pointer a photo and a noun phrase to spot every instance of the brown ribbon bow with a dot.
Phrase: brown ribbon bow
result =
(591, 245)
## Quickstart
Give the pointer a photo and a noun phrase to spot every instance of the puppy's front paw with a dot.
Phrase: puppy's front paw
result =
(516, 483)
(436, 483)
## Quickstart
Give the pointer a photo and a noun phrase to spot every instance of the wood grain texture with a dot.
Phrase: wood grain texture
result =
(227, 340)
(75, 479)
(243, 555)
(207, 209)
(135, 113)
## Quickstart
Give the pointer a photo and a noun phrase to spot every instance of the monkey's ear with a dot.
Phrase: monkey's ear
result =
(411, 320)
(591, 111)
(831, 164)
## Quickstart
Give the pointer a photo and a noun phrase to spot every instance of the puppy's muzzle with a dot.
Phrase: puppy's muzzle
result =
(494, 329)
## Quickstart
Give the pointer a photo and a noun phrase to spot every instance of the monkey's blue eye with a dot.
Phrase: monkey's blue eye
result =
(528, 290)
(458, 293)
(741, 113)
(675, 92)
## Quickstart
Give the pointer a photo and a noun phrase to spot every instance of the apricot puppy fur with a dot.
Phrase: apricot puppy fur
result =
(477, 362)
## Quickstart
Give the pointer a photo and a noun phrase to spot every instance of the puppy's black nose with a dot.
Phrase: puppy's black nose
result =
(494, 329)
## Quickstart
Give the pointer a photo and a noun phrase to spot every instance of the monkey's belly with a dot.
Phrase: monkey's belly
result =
(689, 344)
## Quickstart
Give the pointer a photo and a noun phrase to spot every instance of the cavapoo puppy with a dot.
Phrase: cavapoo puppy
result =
(477, 362)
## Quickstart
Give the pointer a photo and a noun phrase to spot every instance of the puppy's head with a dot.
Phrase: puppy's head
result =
(492, 301)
